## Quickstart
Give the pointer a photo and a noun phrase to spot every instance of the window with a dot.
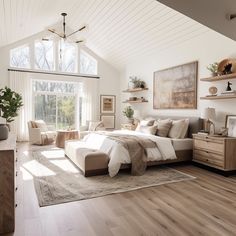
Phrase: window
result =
(67, 57)
(44, 55)
(88, 64)
(57, 103)
(19, 57)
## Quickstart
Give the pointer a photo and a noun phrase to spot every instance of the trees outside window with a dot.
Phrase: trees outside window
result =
(57, 103)
(88, 64)
(44, 59)
(67, 57)
(20, 57)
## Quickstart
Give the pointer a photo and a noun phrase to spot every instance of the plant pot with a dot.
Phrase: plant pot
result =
(130, 120)
(4, 131)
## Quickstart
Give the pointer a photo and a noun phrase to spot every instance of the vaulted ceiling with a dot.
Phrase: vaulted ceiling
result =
(119, 30)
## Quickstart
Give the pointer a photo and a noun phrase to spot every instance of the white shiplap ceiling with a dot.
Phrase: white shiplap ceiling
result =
(119, 30)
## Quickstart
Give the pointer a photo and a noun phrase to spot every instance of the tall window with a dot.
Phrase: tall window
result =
(20, 57)
(88, 64)
(67, 57)
(44, 55)
(57, 103)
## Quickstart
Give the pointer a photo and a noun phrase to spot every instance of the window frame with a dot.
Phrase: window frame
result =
(27, 45)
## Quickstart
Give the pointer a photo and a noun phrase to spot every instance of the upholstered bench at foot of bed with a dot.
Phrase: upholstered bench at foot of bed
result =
(90, 161)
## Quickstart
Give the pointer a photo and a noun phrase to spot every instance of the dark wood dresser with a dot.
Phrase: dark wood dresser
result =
(7, 184)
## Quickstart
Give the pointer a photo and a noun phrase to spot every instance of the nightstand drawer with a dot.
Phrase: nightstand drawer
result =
(209, 158)
(217, 147)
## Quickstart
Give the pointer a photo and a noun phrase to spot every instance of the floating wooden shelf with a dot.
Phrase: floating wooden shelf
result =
(137, 101)
(134, 90)
(219, 78)
(218, 97)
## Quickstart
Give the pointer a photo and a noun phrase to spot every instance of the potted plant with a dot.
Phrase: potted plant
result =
(10, 103)
(129, 112)
(137, 83)
(213, 68)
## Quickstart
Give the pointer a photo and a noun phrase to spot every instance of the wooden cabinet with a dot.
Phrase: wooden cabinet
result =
(7, 184)
(215, 151)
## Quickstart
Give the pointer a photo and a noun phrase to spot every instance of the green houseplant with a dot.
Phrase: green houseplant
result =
(137, 83)
(10, 103)
(129, 112)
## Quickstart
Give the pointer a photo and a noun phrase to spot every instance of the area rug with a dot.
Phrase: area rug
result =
(58, 180)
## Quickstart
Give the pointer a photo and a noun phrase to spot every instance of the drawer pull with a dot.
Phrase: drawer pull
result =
(16, 189)
(16, 205)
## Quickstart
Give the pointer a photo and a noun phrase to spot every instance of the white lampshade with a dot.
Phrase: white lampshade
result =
(208, 113)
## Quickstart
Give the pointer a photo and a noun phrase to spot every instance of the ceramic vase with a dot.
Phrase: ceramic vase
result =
(4, 131)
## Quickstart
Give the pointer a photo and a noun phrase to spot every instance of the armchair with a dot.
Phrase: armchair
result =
(39, 133)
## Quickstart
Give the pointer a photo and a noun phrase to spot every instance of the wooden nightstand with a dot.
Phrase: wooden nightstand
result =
(215, 151)
(128, 126)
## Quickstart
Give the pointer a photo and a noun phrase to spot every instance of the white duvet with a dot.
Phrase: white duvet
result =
(119, 155)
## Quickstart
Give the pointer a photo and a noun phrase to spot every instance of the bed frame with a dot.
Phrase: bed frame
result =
(96, 162)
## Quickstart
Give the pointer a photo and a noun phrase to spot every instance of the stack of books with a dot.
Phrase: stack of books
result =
(232, 92)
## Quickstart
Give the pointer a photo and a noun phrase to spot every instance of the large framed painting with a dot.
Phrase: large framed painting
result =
(176, 87)
(107, 104)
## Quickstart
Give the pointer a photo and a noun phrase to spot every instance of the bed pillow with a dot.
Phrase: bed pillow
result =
(147, 122)
(163, 127)
(41, 125)
(179, 129)
(147, 129)
(93, 125)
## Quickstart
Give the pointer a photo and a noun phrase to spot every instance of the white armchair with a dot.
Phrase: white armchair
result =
(39, 133)
(91, 126)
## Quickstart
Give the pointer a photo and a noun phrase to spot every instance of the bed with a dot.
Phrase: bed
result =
(97, 154)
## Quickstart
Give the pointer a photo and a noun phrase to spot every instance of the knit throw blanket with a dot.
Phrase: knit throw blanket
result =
(137, 148)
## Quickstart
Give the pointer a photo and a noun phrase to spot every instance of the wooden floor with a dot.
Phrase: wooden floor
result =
(204, 206)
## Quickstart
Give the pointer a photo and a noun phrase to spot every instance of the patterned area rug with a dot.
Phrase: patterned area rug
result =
(57, 180)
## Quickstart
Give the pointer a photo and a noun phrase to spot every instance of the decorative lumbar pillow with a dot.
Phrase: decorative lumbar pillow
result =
(93, 125)
(163, 127)
(41, 125)
(147, 129)
(147, 122)
(177, 129)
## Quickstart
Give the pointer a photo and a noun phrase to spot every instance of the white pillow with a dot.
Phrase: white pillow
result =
(178, 129)
(146, 122)
(147, 129)
(41, 125)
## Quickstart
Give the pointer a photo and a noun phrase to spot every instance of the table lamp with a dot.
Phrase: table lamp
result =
(208, 114)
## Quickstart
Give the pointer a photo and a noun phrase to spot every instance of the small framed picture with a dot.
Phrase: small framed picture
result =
(107, 104)
(108, 121)
(230, 123)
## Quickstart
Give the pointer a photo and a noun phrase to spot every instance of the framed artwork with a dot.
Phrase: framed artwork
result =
(230, 124)
(176, 87)
(107, 104)
(108, 121)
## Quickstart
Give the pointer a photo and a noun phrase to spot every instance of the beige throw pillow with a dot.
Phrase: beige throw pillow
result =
(179, 129)
(163, 127)
(93, 125)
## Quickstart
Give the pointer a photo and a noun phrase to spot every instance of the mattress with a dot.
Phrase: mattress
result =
(182, 144)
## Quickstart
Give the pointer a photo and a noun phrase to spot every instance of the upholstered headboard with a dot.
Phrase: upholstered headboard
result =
(195, 123)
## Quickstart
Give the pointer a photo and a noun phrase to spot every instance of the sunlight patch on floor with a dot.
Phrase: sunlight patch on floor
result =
(25, 174)
(65, 165)
(37, 169)
(57, 153)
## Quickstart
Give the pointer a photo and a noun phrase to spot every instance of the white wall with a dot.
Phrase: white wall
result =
(109, 76)
(206, 49)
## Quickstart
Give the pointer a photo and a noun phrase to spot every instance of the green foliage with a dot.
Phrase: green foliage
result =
(213, 67)
(128, 112)
(138, 83)
(10, 103)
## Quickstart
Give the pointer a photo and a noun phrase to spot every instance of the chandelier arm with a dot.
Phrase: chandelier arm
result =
(80, 29)
(54, 32)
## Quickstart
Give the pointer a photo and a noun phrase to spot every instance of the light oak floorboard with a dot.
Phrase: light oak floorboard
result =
(204, 206)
